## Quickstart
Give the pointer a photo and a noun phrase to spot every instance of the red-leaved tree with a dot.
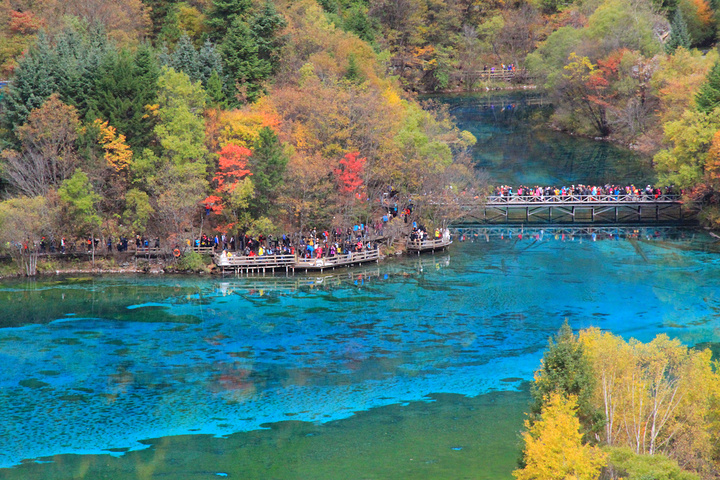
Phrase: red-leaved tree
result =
(233, 186)
(349, 173)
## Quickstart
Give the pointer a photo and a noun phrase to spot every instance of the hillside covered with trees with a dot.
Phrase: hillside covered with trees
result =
(156, 118)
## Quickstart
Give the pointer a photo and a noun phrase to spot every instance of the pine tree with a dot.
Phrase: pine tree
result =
(353, 74)
(243, 66)
(223, 15)
(708, 95)
(267, 164)
(679, 36)
(185, 58)
(78, 60)
(565, 369)
(32, 84)
(214, 89)
(126, 84)
(209, 61)
(266, 26)
(70, 68)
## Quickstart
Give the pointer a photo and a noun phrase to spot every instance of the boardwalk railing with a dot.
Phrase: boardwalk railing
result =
(340, 260)
(430, 244)
(256, 261)
(580, 199)
(242, 263)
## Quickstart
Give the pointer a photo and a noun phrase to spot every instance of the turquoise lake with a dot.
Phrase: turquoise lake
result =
(415, 368)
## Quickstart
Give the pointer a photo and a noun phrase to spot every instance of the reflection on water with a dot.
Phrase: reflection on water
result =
(515, 149)
(114, 362)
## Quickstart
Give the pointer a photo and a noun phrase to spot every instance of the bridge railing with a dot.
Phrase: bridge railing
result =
(605, 198)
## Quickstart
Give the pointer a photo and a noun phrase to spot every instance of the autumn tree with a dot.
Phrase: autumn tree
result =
(23, 221)
(656, 397)
(118, 154)
(125, 22)
(553, 445)
(233, 188)
(48, 152)
(349, 178)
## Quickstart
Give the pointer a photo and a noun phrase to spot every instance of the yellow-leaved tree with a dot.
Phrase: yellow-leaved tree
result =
(117, 152)
(553, 445)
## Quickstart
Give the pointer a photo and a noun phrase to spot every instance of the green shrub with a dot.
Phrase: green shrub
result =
(192, 262)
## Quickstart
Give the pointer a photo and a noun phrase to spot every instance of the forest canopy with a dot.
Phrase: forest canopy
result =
(238, 115)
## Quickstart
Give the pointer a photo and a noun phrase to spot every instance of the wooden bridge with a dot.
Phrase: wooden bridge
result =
(552, 209)
(498, 75)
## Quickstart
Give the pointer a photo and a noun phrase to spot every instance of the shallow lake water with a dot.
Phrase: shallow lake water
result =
(416, 368)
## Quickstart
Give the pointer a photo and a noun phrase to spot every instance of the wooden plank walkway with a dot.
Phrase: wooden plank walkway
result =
(254, 264)
(270, 263)
(429, 245)
(342, 260)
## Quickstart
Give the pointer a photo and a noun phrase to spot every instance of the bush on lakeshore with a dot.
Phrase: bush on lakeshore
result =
(193, 262)
(626, 464)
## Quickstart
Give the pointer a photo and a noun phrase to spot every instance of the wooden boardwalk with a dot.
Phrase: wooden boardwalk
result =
(579, 209)
(241, 264)
(342, 260)
(429, 245)
(498, 75)
(254, 264)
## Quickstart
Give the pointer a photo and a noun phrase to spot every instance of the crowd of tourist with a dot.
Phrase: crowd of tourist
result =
(314, 244)
(503, 68)
(587, 191)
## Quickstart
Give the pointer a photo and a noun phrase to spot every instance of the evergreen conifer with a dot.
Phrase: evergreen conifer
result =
(353, 73)
(267, 165)
(265, 26)
(566, 370)
(214, 90)
(243, 66)
(126, 84)
(708, 95)
(679, 36)
(223, 15)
